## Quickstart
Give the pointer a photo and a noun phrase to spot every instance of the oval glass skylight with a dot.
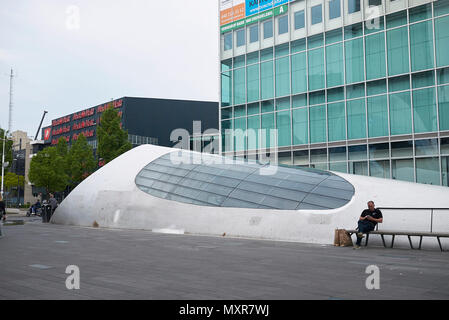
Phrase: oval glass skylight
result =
(209, 180)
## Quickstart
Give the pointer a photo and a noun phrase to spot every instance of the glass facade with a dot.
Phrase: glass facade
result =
(363, 98)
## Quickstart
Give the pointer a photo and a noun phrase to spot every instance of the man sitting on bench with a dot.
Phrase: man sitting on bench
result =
(368, 222)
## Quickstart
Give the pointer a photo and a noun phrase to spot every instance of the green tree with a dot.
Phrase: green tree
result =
(80, 161)
(63, 151)
(12, 179)
(112, 139)
(48, 170)
(8, 149)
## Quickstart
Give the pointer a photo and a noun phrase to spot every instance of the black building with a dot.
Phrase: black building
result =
(148, 121)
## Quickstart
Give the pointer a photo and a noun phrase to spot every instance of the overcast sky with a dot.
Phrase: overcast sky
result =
(72, 55)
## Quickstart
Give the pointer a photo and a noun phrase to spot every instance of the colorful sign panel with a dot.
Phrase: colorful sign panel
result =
(237, 13)
(231, 10)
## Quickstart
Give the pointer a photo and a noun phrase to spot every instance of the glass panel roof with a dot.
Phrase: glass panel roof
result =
(215, 181)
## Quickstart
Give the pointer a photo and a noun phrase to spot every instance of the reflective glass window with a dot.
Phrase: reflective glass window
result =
(425, 110)
(317, 15)
(299, 20)
(400, 113)
(356, 119)
(336, 121)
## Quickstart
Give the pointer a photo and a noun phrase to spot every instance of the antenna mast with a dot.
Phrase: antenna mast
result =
(10, 101)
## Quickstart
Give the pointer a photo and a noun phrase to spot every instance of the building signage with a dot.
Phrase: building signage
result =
(116, 104)
(84, 124)
(231, 11)
(84, 114)
(232, 16)
(87, 134)
(61, 121)
(47, 134)
(55, 141)
(61, 130)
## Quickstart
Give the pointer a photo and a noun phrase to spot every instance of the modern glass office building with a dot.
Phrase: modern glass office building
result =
(354, 86)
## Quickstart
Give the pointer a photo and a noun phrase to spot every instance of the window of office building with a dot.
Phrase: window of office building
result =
(354, 61)
(317, 14)
(239, 86)
(445, 170)
(425, 110)
(240, 137)
(375, 56)
(373, 3)
(267, 121)
(254, 33)
(397, 47)
(334, 9)
(282, 77)
(402, 149)
(284, 128)
(356, 119)
(336, 121)
(378, 116)
(402, 169)
(379, 151)
(441, 7)
(443, 102)
(423, 79)
(300, 126)
(268, 29)
(421, 45)
(299, 73)
(283, 24)
(396, 19)
(226, 89)
(420, 13)
(318, 124)
(299, 20)
(316, 69)
(380, 169)
(228, 41)
(253, 82)
(253, 132)
(428, 171)
(442, 41)
(334, 65)
(240, 37)
(266, 80)
(400, 113)
(353, 6)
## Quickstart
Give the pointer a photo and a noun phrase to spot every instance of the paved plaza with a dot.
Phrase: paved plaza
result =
(117, 264)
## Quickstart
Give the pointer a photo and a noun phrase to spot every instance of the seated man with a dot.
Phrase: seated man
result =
(368, 221)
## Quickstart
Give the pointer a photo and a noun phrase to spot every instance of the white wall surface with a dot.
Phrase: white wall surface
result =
(111, 198)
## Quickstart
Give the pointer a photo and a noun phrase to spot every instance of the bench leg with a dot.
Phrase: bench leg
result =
(367, 238)
(392, 241)
(439, 242)
(410, 240)
(383, 240)
(420, 243)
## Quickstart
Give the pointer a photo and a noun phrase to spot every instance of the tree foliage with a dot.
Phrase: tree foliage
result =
(112, 139)
(48, 170)
(8, 149)
(12, 180)
(80, 161)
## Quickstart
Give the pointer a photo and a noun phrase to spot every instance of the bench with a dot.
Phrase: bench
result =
(409, 234)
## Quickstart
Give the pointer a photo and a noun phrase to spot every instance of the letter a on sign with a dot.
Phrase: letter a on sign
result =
(281, 10)
(73, 281)
(373, 281)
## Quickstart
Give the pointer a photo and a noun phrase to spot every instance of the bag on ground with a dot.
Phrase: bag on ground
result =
(345, 239)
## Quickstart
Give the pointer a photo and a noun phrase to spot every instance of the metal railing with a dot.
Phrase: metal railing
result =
(431, 210)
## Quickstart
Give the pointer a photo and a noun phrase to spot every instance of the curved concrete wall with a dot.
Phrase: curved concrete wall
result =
(111, 198)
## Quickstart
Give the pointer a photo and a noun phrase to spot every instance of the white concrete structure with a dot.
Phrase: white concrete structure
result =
(111, 198)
